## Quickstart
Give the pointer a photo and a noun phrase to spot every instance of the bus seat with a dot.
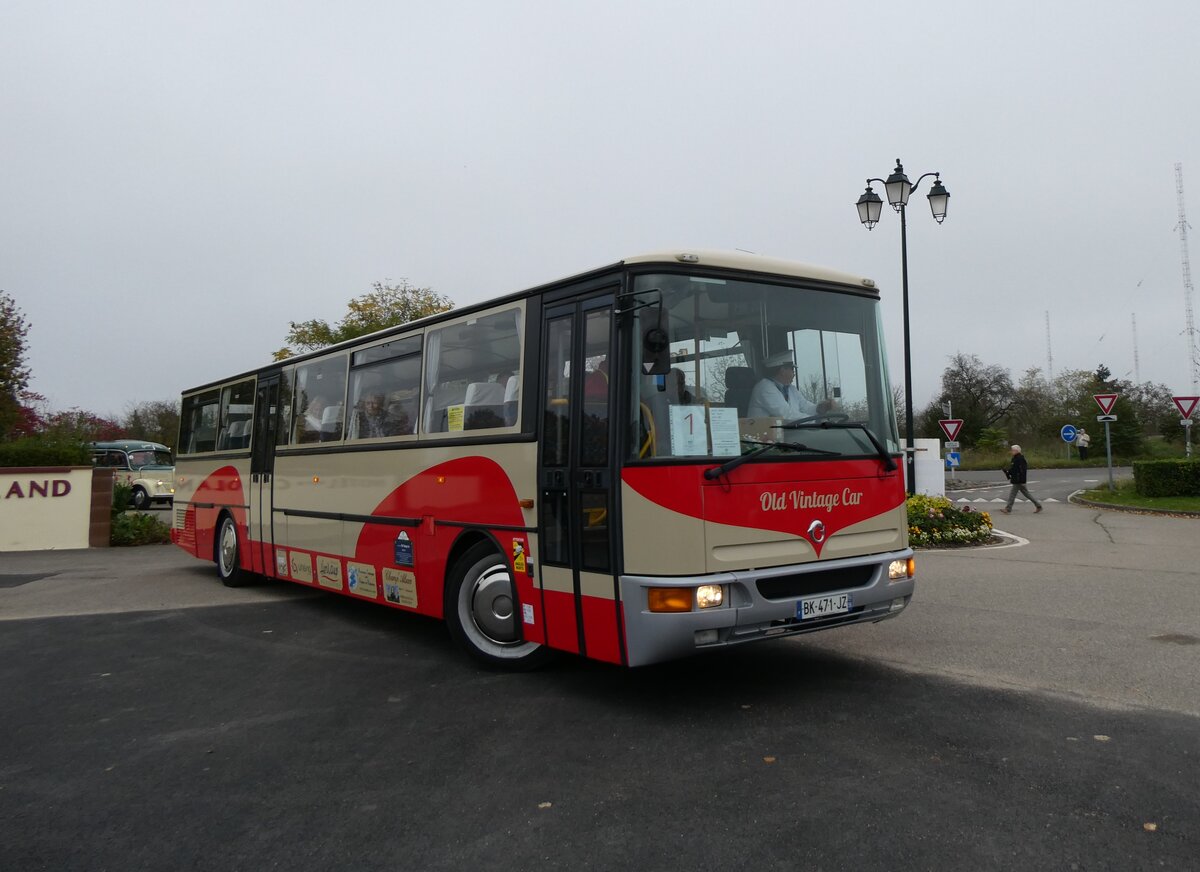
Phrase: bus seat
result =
(512, 392)
(484, 406)
(484, 394)
(331, 423)
(232, 438)
(739, 384)
(443, 396)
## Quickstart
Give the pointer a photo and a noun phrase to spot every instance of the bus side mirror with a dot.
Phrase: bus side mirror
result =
(656, 344)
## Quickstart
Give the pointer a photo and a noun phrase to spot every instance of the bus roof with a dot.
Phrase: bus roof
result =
(748, 262)
(130, 445)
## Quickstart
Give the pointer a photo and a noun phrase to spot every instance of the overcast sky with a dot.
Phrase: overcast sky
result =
(181, 179)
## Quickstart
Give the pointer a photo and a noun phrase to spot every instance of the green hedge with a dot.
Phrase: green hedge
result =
(1167, 478)
(35, 452)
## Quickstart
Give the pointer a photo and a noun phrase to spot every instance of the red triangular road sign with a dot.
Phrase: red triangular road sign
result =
(950, 426)
(1105, 402)
(1186, 405)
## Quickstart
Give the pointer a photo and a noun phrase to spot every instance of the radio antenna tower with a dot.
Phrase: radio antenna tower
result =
(1190, 322)
(1049, 354)
(1137, 367)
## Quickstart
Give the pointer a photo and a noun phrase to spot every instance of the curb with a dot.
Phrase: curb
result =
(1129, 510)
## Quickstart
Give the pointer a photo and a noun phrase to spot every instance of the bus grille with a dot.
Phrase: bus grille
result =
(783, 587)
(187, 532)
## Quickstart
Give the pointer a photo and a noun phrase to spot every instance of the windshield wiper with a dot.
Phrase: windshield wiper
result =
(811, 424)
(734, 462)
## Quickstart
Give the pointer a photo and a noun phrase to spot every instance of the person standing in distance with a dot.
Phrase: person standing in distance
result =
(777, 396)
(1082, 441)
(1018, 470)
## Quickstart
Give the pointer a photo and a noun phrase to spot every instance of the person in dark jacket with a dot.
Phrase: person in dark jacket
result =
(1017, 471)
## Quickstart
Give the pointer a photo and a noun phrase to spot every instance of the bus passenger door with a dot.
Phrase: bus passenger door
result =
(579, 591)
(262, 467)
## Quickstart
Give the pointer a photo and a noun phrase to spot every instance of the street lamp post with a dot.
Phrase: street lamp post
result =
(870, 206)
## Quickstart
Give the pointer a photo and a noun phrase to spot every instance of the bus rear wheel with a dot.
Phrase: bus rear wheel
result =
(227, 548)
(481, 612)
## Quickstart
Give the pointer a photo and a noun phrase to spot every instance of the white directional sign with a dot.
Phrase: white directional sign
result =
(1186, 405)
(1104, 418)
(951, 426)
(1105, 402)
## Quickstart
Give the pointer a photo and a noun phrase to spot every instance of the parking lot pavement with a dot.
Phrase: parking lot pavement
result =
(108, 580)
(328, 734)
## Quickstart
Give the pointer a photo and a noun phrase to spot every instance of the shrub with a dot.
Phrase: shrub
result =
(1167, 478)
(935, 521)
(39, 452)
(134, 528)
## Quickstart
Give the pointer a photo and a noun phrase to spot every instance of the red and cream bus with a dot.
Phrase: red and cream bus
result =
(597, 465)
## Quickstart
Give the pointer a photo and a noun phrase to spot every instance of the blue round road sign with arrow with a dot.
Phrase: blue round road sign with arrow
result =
(1068, 433)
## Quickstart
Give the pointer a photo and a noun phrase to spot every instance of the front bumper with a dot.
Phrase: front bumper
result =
(759, 604)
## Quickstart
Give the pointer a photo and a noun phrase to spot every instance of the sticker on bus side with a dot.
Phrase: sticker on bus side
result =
(404, 550)
(281, 562)
(300, 566)
(329, 572)
(400, 587)
(518, 555)
(361, 580)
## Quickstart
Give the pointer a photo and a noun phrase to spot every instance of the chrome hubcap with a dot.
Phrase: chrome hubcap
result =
(228, 547)
(492, 606)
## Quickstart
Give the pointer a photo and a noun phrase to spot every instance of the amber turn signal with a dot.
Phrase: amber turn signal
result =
(670, 599)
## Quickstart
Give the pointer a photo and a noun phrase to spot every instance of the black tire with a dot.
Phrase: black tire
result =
(481, 612)
(141, 499)
(226, 549)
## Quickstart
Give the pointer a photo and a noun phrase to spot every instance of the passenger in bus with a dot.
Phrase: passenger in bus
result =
(679, 391)
(595, 383)
(373, 421)
(776, 395)
(310, 428)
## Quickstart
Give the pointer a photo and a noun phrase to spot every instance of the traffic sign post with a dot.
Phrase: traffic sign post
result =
(1186, 406)
(1068, 436)
(1106, 403)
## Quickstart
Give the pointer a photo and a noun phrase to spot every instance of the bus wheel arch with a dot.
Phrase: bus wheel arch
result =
(227, 552)
(481, 607)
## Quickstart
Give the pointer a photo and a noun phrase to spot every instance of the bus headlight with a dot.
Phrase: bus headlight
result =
(709, 596)
(898, 569)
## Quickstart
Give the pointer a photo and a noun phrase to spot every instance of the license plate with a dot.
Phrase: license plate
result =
(823, 606)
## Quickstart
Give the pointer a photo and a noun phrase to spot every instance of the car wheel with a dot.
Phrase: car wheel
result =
(141, 499)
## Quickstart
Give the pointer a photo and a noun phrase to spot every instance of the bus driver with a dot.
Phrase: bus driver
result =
(777, 396)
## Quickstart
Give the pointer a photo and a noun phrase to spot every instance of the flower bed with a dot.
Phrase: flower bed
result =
(935, 521)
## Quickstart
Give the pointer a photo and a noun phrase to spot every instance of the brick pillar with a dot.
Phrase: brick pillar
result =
(100, 526)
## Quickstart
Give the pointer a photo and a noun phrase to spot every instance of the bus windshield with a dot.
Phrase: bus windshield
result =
(146, 457)
(753, 364)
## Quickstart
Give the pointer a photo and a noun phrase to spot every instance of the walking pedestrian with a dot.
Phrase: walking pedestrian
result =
(1082, 441)
(1017, 471)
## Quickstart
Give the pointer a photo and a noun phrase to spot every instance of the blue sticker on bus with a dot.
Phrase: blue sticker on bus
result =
(404, 550)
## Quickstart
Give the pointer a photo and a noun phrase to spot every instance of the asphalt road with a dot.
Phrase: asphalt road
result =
(1034, 708)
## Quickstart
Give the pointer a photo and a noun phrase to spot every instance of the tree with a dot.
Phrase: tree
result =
(78, 425)
(14, 372)
(981, 395)
(385, 306)
(154, 421)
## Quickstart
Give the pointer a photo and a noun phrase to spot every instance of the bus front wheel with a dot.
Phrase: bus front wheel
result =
(141, 499)
(481, 611)
(229, 566)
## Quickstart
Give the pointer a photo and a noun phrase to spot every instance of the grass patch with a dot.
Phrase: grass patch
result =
(1126, 496)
